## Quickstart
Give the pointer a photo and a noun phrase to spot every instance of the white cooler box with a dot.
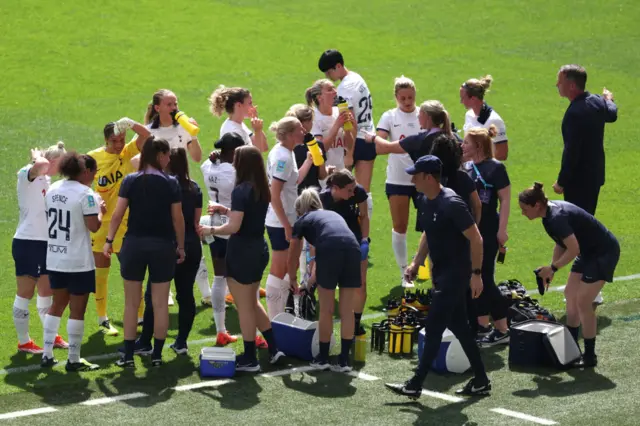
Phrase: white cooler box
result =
(217, 362)
(451, 358)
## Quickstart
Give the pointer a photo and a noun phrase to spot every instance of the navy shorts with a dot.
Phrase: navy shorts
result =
(76, 283)
(218, 248)
(247, 258)
(597, 268)
(156, 254)
(338, 268)
(364, 151)
(277, 238)
(30, 257)
(406, 190)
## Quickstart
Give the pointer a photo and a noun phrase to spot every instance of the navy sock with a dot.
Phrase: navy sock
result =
(590, 346)
(345, 347)
(250, 349)
(129, 346)
(358, 317)
(324, 351)
(574, 332)
(271, 341)
(158, 345)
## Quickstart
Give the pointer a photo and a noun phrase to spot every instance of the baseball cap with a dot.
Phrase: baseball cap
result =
(230, 140)
(329, 59)
(427, 164)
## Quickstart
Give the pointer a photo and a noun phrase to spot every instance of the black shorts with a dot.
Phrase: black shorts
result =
(597, 268)
(338, 268)
(76, 283)
(139, 253)
(364, 151)
(30, 257)
(277, 238)
(247, 258)
(218, 248)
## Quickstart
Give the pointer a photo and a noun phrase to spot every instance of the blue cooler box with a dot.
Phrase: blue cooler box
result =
(451, 358)
(296, 337)
(217, 362)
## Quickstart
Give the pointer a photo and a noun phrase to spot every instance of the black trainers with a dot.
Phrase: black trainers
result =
(179, 348)
(483, 331)
(125, 363)
(475, 388)
(48, 362)
(243, 363)
(408, 388)
(320, 364)
(341, 367)
(273, 358)
(81, 365)
(156, 362)
(494, 338)
(139, 349)
(586, 361)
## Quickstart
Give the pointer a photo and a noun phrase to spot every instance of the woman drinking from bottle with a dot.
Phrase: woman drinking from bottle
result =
(337, 264)
(594, 250)
(309, 174)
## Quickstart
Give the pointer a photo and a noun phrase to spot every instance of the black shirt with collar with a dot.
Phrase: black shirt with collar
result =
(348, 209)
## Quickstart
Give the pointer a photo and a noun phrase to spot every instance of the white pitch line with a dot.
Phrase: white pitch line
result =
(442, 396)
(363, 376)
(522, 416)
(209, 384)
(288, 371)
(24, 413)
(625, 278)
(110, 399)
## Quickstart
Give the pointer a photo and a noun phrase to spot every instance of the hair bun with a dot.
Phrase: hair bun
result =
(538, 186)
(60, 145)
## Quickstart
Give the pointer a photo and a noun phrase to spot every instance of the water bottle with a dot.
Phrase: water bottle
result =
(314, 149)
(360, 352)
(183, 119)
(342, 107)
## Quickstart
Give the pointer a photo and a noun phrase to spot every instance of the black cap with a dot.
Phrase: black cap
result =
(428, 164)
(230, 140)
(329, 59)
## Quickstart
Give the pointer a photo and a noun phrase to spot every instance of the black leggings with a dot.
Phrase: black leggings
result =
(184, 278)
(490, 301)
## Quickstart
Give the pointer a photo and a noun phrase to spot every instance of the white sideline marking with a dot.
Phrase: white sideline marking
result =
(523, 416)
(442, 396)
(625, 278)
(209, 384)
(288, 371)
(25, 413)
(110, 399)
(363, 376)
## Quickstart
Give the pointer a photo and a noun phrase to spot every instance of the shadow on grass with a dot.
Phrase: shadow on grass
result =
(450, 414)
(326, 384)
(549, 383)
(240, 394)
(603, 322)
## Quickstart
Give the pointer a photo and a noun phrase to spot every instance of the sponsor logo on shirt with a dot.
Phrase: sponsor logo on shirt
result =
(280, 166)
(57, 249)
(105, 181)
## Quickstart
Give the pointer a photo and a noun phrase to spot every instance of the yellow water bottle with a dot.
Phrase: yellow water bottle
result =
(314, 149)
(183, 119)
(342, 107)
(395, 339)
(360, 353)
(424, 271)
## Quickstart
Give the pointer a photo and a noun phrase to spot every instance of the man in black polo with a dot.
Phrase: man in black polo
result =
(582, 170)
(454, 243)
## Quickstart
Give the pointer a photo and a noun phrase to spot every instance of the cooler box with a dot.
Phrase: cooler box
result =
(217, 362)
(451, 358)
(536, 343)
(297, 337)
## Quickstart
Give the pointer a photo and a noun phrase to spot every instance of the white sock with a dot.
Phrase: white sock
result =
(202, 278)
(21, 319)
(276, 296)
(370, 204)
(399, 244)
(51, 326)
(303, 260)
(218, 291)
(102, 319)
(43, 304)
(75, 330)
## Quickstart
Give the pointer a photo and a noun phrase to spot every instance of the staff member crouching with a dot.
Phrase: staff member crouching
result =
(154, 240)
(453, 241)
(580, 236)
(247, 252)
(337, 263)
(73, 211)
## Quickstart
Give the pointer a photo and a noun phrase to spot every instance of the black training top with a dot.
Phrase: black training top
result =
(255, 211)
(444, 219)
(150, 196)
(564, 219)
(312, 179)
(348, 209)
(490, 176)
(419, 145)
(191, 200)
(461, 184)
(325, 229)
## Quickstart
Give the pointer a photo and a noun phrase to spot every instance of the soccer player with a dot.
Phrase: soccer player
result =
(452, 240)
(594, 250)
(479, 114)
(29, 246)
(349, 199)
(396, 124)
(247, 252)
(115, 161)
(153, 241)
(238, 104)
(73, 211)
(354, 90)
(220, 179)
(494, 188)
(328, 125)
(282, 171)
(309, 175)
(337, 264)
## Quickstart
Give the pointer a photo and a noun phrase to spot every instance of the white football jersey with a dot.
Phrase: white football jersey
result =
(399, 125)
(32, 223)
(470, 120)
(240, 128)
(322, 124)
(220, 179)
(69, 248)
(281, 165)
(354, 90)
(176, 135)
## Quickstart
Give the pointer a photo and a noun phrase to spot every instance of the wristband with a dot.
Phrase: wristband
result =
(553, 268)
(108, 241)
